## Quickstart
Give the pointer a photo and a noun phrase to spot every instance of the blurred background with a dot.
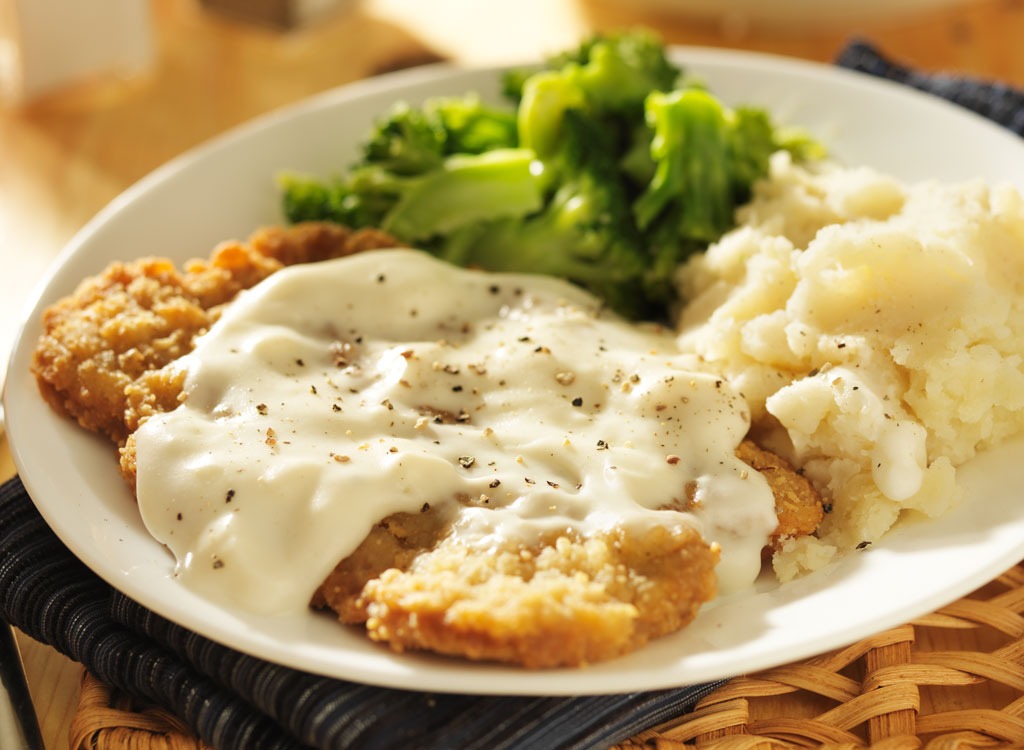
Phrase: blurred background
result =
(94, 95)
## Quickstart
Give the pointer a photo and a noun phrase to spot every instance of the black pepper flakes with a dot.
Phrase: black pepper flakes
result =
(229, 496)
(494, 483)
(578, 401)
(466, 461)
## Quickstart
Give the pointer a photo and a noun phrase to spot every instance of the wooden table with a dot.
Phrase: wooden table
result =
(66, 154)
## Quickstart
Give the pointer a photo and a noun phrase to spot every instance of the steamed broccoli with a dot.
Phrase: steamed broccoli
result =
(462, 189)
(706, 158)
(622, 66)
(584, 233)
(604, 170)
(412, 141)
(608, 78)
(695, 176)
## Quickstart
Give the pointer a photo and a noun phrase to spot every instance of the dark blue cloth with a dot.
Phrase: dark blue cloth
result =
(992, 99)
(231, 700)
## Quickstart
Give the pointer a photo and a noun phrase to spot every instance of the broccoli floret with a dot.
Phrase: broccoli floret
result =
(425, 170)
(637, 58)
(707, 158)
(407, 141)
(546, 99)
(411, 140)
(463, 189)
(307, 198)
(584, 233)
(608, 78)
(473, 128)
(692, 151)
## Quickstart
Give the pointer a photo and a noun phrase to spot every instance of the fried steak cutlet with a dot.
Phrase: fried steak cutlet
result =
(135, 318)
(102, 360)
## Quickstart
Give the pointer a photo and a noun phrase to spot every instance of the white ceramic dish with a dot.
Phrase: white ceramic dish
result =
(225, 189)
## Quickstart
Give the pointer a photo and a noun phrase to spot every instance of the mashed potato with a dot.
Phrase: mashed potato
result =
(877, 330)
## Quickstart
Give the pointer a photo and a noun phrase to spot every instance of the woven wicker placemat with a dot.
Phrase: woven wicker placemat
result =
(951, 679)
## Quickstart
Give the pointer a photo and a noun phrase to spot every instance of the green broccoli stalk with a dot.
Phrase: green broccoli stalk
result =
(546, 99)
(463, 189)
(694, 163)
(706, 159)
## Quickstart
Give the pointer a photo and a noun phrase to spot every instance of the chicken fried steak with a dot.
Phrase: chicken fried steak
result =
(566, 601)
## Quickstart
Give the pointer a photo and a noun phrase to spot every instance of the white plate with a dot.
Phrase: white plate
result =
(225, 189)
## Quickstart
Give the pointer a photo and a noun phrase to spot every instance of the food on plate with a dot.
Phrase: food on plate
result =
(617, 539)
(123, 325)
(877, 331)
(504, 469)
(607, 166)
(644, 343)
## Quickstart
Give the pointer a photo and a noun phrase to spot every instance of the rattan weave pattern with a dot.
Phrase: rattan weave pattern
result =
(951, 679)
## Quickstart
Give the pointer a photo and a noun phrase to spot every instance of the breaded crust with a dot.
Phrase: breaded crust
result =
(103, 360)
(567, 603)
(561, 602)
(797, 503)
(135, 318)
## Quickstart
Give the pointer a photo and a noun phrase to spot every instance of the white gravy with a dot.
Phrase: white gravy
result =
(334, 394)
